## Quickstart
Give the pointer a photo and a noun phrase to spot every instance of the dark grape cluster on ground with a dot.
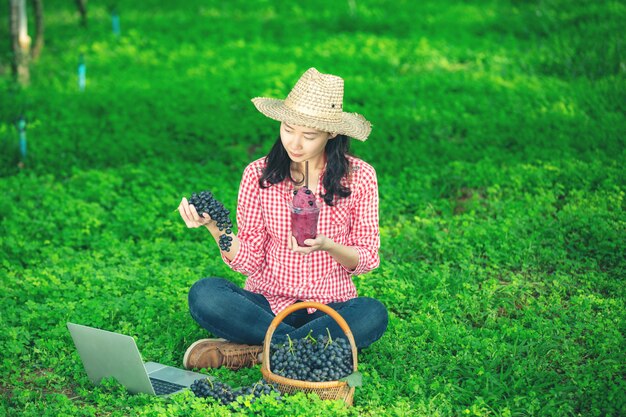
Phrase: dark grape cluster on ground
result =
(224, 393)
(312, 359)
(220, 391)
(205, 202)
(257, 390)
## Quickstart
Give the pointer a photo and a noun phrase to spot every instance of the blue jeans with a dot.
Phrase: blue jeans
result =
(241, 316)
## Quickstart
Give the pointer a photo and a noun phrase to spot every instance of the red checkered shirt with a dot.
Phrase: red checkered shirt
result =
(264, 226)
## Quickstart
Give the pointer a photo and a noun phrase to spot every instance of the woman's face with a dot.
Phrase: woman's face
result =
(304, 143)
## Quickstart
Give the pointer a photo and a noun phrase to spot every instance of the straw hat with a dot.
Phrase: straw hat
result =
(316, 101)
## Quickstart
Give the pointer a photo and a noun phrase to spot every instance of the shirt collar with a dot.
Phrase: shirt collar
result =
(287, 187)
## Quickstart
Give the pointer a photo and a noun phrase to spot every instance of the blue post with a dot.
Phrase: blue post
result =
(21, 127)
(115, 20)
(82, 73)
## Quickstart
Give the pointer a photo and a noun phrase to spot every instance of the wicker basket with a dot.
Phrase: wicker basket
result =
(329, 390)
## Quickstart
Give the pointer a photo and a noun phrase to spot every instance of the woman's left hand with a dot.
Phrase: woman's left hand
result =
(320, 242)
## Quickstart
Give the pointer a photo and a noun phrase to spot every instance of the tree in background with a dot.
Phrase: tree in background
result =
(21, 42)
(82, 9)
(38, 6)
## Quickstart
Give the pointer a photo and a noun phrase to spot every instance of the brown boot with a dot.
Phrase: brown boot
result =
(213, 353)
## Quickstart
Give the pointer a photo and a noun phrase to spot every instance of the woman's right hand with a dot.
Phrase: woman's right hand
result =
(191, 217)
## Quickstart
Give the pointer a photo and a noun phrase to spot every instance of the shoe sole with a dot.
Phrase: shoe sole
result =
(193, 345)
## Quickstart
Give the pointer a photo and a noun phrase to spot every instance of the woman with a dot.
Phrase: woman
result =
(312, 150)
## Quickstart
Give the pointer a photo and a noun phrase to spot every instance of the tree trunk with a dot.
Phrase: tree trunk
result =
(13, 29)
(39, 27)
(82, 9)
(20, 41)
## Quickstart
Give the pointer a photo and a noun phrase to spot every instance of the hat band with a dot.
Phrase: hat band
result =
(334, 116)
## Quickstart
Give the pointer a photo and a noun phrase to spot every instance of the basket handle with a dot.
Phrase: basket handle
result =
(299, 306)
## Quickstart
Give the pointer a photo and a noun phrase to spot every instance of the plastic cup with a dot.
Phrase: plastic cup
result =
(304, 222)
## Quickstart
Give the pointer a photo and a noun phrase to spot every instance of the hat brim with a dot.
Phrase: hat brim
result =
(351, 124)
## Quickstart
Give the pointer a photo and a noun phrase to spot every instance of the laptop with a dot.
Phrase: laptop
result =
(107, 354)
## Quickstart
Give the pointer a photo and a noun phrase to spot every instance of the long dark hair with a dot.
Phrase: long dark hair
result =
(278, 168)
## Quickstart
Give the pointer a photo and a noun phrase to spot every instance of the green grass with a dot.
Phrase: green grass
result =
(499, 143)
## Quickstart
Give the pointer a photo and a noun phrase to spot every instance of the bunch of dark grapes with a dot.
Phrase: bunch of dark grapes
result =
(212, 388)
(257, 390)
(217, 390)
(312, 359)
(206, 203)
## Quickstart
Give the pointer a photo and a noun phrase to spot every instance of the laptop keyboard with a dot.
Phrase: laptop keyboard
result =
(164, 387)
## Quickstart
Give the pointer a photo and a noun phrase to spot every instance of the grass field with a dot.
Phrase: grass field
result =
(499, 142)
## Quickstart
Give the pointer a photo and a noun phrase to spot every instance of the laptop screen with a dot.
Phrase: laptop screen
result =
(107, 354)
